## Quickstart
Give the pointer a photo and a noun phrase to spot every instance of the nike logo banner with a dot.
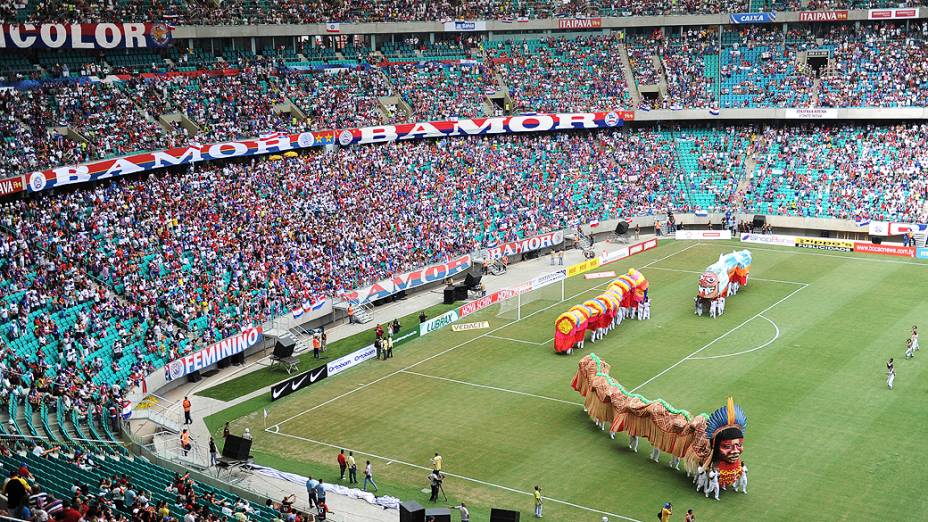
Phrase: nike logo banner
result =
(284, 388)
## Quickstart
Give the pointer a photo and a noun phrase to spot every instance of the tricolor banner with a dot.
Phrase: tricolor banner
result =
(85, 36)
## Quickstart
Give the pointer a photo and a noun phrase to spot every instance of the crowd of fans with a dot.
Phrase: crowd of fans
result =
(872, 172)
(562, 75)
(63, 122)
(230, 12)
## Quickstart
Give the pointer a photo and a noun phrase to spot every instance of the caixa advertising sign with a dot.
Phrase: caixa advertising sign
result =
(753, 18)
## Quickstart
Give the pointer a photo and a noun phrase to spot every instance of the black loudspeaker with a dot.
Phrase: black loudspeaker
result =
(222, 363)
(236, 448)
(411, 511)
(460, 293)
(194, 376)
(876, 240)
(621, 227)
(472, 280)
(439, 514)
(238, 358)
(760, 220)
(503, 515)
(284, 347)
(449, 295)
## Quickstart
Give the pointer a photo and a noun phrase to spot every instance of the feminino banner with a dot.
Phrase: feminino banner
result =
(209, 356)
(407, 281)
(823, 16)
(85, 36)
(523, 246)
(282, 389)
(279, 143)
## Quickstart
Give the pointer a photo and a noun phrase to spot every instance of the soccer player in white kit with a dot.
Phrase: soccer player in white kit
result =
(633, 442)
(721, 305)
(655, 454)
(647, 309)
(714, 308)
(742, 482)
(890, 373)
(909, 352)
(914, 338)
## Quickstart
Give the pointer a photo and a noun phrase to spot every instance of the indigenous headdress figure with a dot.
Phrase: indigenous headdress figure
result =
(725, 430)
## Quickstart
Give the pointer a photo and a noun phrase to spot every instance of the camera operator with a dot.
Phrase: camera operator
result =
(435, 478)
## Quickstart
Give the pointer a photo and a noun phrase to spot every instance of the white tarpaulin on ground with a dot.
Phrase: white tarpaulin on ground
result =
(384, 502)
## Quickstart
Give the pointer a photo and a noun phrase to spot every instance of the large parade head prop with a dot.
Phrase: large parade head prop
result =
(709, 285)
(725, 430)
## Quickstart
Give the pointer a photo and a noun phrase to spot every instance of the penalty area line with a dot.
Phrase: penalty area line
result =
(719, 338)
(761, 347)
(495, 388)
(461, 477)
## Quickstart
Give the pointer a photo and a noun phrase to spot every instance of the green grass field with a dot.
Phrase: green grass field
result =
(802, 349)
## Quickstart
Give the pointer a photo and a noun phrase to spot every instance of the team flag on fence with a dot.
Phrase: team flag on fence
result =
(714, 111)
(701, 212)
(862, 222)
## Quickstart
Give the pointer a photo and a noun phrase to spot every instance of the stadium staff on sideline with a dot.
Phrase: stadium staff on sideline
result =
(342, 464)
(369, 476)
(350, 314)
(185, 441)
(352, 469)
(538, 501)
(388, 348)
(187, 418)
(666, 512)
(435, 478)
(422, 317)
(690, 517)
(311, 484)
(212, 452)
(465, 513)
(437, 462)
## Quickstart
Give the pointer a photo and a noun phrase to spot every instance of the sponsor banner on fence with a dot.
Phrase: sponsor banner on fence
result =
(408, 281)
(921, 253)
(898, 229)
(811, 114)
(210, 355)
(823, 16)
(280, 143)
(547, 279)
(769, 239)
(529, 244)
(579, 268)
(465, 25)
(579, 23)
(303, 380)
(85, 36)
(638, 248)
(479, 325)
(475, 306)
(11, 185)
(753, 18)
(892, 14)
(886, 250)
(599, 275)
(825, 244)
(703, 234)
(615, 255)
(343, 363)
(878, 228)
(438, 323)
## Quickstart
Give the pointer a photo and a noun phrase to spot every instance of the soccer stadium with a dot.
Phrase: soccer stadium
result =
(463, 260)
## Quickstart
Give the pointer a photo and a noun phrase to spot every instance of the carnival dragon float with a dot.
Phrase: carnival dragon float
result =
(707, 441)
(600, 314)
(722, 279)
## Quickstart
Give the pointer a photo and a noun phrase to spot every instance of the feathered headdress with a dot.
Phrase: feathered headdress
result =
(730, 416)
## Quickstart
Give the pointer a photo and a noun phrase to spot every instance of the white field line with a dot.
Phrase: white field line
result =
(515, 340)
(455, 347)
(761, 347)
(462, 477)
(717, 339)
(495, 388)
(750, 278)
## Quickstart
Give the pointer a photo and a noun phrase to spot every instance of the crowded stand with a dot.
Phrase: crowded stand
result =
(872, 172)
(437, 90)
(560, 74)
(345, 98)
(691, 66)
